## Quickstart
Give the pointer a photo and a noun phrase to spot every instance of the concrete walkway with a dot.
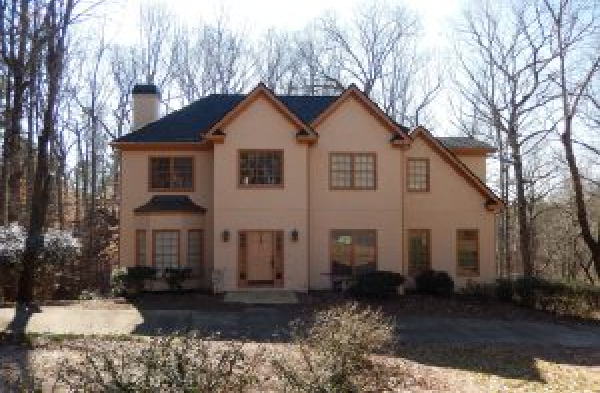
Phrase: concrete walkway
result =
(262, 323)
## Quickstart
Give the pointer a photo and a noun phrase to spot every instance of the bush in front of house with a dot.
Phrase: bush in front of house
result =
(558, 297)
(335, 351)
(176, 276)
(131, 280)
(378, 284)
(478, 291)
(505, 290)
(436, 283)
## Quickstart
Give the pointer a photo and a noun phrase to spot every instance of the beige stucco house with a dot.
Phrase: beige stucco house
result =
(263, 191)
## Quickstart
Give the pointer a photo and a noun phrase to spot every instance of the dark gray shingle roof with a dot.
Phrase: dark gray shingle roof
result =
(189, 123)
(454, 142)
(170, 203)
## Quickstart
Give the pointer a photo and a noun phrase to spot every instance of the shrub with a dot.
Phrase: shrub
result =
(437, 283)
(176, 276)
(479, 291)
(335, 351)
(131, 280)
(558, 297)
(57, 246)
(172, 363)
(504, 289)
(377, 284)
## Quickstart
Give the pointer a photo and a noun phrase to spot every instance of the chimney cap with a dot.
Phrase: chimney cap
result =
(145, 89)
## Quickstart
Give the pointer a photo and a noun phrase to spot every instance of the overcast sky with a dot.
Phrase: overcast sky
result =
(255, 16)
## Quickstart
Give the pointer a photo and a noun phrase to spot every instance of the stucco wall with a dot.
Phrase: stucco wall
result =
(261, 126)
(312, 209)
(134, 193)
(451, 204)
(477, 164)
(351, 128)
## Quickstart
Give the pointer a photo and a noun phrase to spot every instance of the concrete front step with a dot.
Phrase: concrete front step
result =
(262, 297)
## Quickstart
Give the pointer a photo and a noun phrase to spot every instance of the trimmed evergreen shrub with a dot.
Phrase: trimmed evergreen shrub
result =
(505, 289)
(176, 276)
(437, 283)
(378, 284)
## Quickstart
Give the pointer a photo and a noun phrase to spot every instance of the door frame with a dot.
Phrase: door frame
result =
(278, 256)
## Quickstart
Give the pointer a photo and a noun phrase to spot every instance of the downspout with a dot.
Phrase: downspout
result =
(308, 227)
(403, 182)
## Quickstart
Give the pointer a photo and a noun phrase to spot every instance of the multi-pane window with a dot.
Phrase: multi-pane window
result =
(140, 247)
(195, 252)
(261, 168)
(467, 251)
(353, 252)
(352, 171)
(417, 174)
(419, 250)
(171, 173)
(166, 249)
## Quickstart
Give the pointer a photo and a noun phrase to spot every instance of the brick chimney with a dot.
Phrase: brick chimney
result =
(146, 100)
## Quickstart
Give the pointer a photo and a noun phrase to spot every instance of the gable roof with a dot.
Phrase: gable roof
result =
(261, 90)
(399, 132)
(464, 142)
(492, 200)
(192, 122)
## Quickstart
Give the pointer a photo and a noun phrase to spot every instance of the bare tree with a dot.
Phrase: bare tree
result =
(575, 38)
(57, 19)
(504, 60)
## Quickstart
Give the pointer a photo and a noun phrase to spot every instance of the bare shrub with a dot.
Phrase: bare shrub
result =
(335, 351)
(186, 363)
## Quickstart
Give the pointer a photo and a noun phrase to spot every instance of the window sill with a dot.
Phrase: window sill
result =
(467, 273)
(170, 190)
(353, 188)
(260, 186)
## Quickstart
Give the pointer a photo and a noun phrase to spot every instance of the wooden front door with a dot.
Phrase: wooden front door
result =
(260, 258)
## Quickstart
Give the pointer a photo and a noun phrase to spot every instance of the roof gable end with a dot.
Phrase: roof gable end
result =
(492, 202)
(216, 134)
(398, 132)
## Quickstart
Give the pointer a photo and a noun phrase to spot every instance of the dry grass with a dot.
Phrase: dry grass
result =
(416, 368)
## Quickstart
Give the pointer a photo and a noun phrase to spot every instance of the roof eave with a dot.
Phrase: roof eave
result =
(159, 145)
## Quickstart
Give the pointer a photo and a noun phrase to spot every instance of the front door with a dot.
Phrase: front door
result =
(261, 257)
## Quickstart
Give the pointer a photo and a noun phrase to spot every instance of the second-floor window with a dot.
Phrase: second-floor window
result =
(352, 171)
(260, 168)
(171, 174)
(417, 174)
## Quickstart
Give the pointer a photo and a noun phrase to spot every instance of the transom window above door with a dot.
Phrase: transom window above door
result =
(352, 171)
(260, 168)
(171, 173)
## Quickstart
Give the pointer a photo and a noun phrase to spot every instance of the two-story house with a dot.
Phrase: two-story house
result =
(268, 191)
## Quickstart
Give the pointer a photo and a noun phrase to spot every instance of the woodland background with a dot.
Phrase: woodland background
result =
(522, 75)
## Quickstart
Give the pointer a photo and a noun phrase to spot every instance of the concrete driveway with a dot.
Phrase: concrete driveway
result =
(267, 323)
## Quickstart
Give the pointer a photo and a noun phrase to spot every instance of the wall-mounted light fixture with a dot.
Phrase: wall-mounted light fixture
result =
(225, 235)
(294, 235)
